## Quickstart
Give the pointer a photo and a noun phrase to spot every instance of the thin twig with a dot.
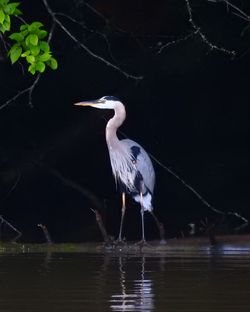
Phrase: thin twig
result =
(3, 220)
(28, 90)
(4, 43)
(15, 97)
(52, 28)
(196, 193)
(240, 13)
(97, 12)
(176, 41)
(84, 47)
(201, 34)
(197, 31)
(87, 29)
(103, 17)
(21, 19)
(13, 186)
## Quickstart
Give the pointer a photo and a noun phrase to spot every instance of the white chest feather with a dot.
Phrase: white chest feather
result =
(123, 167)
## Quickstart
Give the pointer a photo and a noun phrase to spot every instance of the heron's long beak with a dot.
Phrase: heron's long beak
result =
(95, 103)
(87, 103)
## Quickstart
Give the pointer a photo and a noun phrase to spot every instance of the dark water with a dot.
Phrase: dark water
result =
(84, 282)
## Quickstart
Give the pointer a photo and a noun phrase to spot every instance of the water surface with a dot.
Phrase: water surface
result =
(90, 282)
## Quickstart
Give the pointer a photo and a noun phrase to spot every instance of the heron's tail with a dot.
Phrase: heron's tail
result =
(146, 201)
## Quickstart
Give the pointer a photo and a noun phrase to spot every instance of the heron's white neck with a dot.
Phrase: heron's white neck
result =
(114, 123)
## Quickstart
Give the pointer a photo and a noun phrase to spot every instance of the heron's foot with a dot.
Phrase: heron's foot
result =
(120, 241)
(142, 243)
(109, 242)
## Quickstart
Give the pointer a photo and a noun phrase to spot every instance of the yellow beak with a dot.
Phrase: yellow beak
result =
(85, 104)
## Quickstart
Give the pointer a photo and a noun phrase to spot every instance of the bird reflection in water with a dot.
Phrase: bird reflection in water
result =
(137, 294)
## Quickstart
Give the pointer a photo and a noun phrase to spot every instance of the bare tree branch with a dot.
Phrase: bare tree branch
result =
(196, 31)
(176, 41)
(11, 226)
(28, 90)
(196, 193)
(84, 47)
(13, 186)
(3, 42)
(202, 36)
(87, 29)
(106, 20)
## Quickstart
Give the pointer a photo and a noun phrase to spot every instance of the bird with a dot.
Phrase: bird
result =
(131, 165)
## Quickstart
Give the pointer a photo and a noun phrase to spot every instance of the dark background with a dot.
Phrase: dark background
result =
(190, 111)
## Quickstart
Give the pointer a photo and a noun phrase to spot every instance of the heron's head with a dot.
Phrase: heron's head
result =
(106, 102)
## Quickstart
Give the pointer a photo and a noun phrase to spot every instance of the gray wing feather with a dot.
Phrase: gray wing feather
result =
(143, 164)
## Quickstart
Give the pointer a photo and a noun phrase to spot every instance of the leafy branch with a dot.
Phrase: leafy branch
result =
(30, 43)
(6, 11)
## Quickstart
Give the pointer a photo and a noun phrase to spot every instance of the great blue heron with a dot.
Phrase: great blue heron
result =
(131, 165)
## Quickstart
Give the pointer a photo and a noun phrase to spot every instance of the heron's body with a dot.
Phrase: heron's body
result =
(140, 177)
(131, 165)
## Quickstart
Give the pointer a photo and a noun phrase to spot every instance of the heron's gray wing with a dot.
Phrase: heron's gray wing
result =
(143, 163)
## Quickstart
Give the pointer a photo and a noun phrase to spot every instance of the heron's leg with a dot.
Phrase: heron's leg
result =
(122, 216)
(142, 218)
(160, 228)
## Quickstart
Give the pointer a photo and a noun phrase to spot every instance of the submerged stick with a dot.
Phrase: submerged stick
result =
(45, 232)
(101, 225)
(85, 192)
(160, 228)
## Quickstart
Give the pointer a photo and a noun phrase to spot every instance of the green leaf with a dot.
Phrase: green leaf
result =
(44, 57)
(18, 37)
(26, 53)
(11, 7)
(17, 12)
(6, 24)
(52, 63)
(34, 39)
(44, 46)
(40, 66)
(2, 16)
(30, 59)
(7, 18)
(34, 26)
(31, 39)
(42, 34)
(15, 52)
(2, 29)
(24, 27)
(35, 50)
(24, 33)
(32, 69)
